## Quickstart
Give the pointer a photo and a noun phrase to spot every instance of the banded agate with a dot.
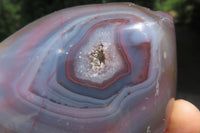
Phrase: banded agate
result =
(106, 68)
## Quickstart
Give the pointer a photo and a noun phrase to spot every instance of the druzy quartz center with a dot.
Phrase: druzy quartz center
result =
(105, 68)
(98, 60)
(98, 57)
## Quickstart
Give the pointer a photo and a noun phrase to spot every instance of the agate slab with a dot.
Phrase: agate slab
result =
(105, 68)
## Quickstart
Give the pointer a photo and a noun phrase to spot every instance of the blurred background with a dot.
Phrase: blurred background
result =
(14, 14)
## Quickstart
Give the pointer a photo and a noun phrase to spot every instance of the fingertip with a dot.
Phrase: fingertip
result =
(185, 118)
(186, 106)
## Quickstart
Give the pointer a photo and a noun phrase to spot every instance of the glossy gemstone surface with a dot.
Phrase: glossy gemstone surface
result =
(106, 68)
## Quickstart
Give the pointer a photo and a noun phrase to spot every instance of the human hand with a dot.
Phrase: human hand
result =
(185, 118)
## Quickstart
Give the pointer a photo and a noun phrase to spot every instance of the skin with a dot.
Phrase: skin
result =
(185, 118)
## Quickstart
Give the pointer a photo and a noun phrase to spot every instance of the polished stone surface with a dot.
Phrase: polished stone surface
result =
(106, 68)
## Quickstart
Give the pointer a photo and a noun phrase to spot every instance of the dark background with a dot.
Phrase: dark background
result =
(14, 14)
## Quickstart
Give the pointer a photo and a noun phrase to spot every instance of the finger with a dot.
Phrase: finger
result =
(185, 118)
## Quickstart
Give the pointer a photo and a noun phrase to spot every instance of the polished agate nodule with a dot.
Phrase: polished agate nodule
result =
(107, 68)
